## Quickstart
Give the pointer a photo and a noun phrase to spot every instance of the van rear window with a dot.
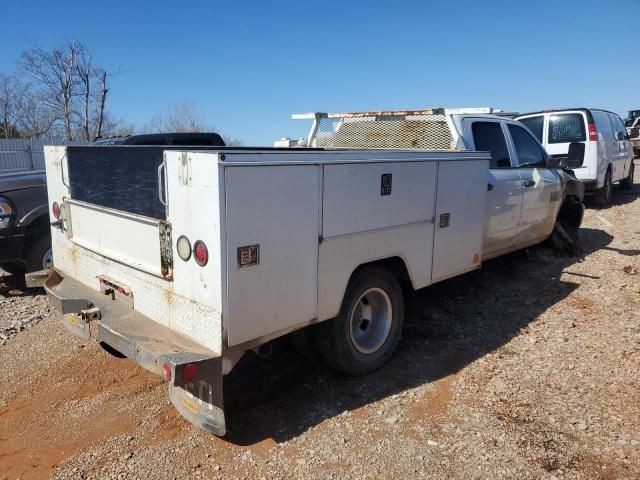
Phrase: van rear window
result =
(567, 128)
(536, 125)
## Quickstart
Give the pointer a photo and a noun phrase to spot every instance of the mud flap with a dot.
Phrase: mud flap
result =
(201, 402)
(36, 279)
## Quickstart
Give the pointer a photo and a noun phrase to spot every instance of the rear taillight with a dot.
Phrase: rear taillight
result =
(55, 209)
(200, 253)
(167, 372)
(593, 132)
(189, 371)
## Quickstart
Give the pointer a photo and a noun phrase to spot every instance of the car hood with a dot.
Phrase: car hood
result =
(18, 181)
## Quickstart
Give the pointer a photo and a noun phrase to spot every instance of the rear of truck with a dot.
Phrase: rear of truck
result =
(116, 230)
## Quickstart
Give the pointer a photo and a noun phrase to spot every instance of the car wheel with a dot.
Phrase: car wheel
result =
(604, 196)
(366, 331)
(14, 268)
(627, 183)
(39, 254)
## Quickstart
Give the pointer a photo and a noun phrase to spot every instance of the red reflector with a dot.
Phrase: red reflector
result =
(190, 371)
(593, 132)
(167, 372)
(200, 253)
(56, 209)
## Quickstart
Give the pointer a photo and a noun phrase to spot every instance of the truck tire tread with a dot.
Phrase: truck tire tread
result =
(627, 182)
(332, 336)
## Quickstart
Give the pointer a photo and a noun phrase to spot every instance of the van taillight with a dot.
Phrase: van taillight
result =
(593, 132)
(56, 210)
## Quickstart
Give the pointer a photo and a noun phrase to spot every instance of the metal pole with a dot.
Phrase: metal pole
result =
(31, 166)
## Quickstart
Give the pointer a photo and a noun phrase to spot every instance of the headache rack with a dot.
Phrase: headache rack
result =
(408, 129)
(425, 129)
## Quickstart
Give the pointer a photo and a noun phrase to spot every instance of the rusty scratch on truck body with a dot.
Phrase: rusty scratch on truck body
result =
(166, 252)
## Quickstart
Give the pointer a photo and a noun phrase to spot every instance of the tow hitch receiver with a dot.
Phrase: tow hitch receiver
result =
(78, 323)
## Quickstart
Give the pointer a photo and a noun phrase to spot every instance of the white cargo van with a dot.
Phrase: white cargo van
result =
(608, 151)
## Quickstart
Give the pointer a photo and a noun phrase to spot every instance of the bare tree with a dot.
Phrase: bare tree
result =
(8, 97)
(102, 100)
(72, 87)
(56, 74)
(184, 117)
(33, 118)
(84, 72)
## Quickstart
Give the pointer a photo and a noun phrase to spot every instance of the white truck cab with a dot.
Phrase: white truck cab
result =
(608, 150)
(525, 187)
(524, 193)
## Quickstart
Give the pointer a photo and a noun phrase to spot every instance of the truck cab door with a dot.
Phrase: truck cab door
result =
(542, 190)
(504, 186)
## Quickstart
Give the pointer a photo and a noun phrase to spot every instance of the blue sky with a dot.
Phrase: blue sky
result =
(248, 65)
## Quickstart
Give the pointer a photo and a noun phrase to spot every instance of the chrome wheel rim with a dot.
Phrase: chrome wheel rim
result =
(47, 260)
(370, 320)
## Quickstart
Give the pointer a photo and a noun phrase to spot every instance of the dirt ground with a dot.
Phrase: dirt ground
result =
(528, 368)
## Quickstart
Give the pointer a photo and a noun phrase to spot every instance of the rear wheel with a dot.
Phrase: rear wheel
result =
(39, 255)
(362, 337)
(627, 183)
(603, 198)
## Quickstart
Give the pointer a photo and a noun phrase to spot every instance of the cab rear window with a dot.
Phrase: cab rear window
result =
(567, 128)
(536, 125)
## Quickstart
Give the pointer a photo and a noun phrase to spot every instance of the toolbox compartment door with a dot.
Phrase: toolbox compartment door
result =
(459, 221)
(271, 211)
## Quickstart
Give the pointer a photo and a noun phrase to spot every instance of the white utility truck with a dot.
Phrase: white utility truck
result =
(185, 260)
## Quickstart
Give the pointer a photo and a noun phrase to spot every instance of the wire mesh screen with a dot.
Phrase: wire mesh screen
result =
(428, 131)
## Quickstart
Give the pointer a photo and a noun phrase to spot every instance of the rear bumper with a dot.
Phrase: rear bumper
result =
(199, 398)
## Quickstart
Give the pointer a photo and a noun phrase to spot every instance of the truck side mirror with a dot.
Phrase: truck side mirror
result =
(634, 132)
(575, 156)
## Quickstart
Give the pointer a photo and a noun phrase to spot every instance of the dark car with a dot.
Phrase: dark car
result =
(194, 139)
(25, 238)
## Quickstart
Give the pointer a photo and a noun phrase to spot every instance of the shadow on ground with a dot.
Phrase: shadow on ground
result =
(447, 327)
(619, 196)
(13, 286)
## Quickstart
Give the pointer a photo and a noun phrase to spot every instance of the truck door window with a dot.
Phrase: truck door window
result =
(530, 153)
(536, 125)
(488, 137)
(567, 128)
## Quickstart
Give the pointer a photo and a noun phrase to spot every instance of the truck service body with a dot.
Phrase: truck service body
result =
(184, 260)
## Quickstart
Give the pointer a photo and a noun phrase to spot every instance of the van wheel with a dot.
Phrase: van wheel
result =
(627, 183)
(366, 331)
(603, 198)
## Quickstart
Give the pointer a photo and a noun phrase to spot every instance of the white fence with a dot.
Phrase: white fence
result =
(18, 155)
